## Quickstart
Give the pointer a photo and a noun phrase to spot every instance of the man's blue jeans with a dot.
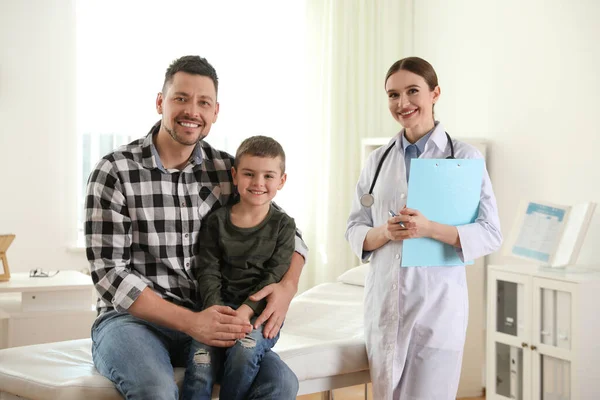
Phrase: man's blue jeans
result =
(138, 357)
(237, 367)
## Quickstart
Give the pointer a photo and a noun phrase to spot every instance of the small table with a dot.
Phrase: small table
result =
(46, 309)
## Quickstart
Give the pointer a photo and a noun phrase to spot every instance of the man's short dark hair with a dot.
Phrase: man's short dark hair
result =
(260, 146)
(194, 65)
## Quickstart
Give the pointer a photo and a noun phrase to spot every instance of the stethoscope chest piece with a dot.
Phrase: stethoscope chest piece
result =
(367, 200)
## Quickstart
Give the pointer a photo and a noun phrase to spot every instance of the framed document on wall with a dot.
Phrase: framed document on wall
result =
(5, 241)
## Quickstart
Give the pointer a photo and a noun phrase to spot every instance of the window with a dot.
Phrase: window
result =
(124, 48)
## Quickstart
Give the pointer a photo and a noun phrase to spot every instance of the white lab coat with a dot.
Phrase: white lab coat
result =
(416, 318)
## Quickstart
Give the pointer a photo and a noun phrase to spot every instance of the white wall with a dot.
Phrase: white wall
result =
(37, 133)
(524, 74)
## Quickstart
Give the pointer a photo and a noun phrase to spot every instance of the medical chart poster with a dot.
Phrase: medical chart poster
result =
(540, 231)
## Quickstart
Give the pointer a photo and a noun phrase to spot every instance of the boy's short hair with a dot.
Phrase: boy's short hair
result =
(260, 146)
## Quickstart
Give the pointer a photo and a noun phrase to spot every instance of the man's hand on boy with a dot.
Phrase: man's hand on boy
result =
(218, 326)
(279, 296)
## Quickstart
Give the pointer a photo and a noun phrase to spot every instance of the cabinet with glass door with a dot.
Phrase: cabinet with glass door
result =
(542, 333)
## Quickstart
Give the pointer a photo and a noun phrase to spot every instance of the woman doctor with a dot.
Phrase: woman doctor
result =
(415, 317)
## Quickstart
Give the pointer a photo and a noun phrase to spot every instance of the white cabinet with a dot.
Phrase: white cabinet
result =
(543, 336)
(45, 309)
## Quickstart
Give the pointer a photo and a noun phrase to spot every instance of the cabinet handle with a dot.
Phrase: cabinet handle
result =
(524, 345)
(533, 347)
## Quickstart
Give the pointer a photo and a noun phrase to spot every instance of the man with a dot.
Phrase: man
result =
(144, 207)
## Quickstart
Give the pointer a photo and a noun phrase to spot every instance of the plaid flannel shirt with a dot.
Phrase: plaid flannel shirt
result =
(143, 221)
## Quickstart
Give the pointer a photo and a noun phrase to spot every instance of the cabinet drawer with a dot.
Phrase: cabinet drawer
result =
(26, 330)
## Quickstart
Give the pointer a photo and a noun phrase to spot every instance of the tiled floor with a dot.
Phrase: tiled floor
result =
(356, 393)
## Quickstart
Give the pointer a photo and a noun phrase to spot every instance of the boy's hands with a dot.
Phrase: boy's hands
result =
(245, 312)
(279, 296)
(218, 326)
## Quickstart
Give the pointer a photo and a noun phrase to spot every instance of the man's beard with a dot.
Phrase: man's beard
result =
(179, 140)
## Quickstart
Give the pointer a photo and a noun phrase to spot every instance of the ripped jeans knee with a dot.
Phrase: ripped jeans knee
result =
(202, 357)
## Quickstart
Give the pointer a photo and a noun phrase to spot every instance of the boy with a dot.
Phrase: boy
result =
(243, 248)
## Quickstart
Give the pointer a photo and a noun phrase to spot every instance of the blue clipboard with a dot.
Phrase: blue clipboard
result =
(444, 191)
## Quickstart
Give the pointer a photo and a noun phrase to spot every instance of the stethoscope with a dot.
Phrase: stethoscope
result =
(367, 199)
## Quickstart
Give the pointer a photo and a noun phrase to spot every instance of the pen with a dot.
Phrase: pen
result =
(393, 214)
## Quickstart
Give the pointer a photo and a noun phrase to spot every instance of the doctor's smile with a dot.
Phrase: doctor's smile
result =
(409, 113)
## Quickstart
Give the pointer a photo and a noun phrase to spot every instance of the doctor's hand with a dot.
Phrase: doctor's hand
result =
(279, 296)
(417, 225)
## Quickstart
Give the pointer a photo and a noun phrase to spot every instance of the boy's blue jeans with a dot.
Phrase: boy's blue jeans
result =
(138, 357)
(235, 367)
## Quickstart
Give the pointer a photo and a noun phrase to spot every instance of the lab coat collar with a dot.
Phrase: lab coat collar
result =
(438, 138)
(421, 143)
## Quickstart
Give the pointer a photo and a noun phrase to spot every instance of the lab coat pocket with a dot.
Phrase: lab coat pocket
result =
(443, 321)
